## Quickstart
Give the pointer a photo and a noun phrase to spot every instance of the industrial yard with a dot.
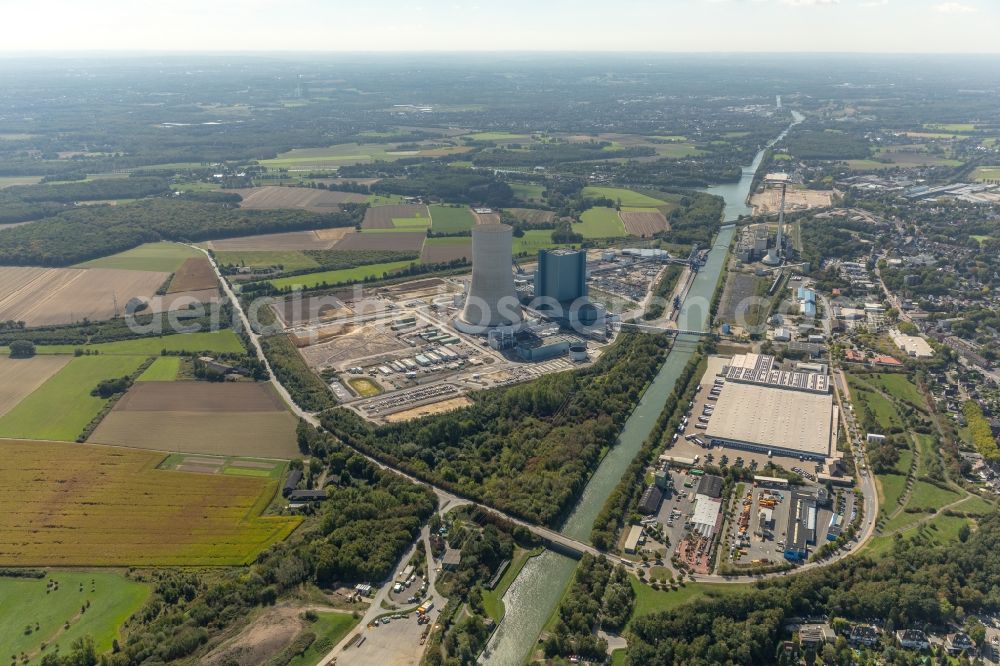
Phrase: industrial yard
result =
(414, 348)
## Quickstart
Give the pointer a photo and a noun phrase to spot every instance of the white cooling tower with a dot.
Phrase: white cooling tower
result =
(492, 301)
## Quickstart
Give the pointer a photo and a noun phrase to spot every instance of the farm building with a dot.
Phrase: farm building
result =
(292, 482)
(307, 496)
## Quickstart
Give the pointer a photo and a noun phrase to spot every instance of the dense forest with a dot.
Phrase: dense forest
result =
(527, 449)
(96, 231)
(21, 203)
(916, 586)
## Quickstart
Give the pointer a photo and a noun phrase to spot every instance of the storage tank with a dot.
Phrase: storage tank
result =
(492, 300)
(578, 352)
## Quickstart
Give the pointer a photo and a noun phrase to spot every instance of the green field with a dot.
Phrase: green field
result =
(648, 600)
(411, 223)
(496, 136)
(223, 341)
(289, 260)
(623, 196)
(330, 629)
(113, 599)
(928, 496)
(62, 407)
(600, 223)
(385, 199)
(8, 181)
(533, 240)
(308, 159)
(951, 127)
(905, 462)
(976, 505)
(899, 387)
(164, 257)
(344, 276)
(230, 465)
(163, 369)
(925, 451)
(531, 192)
(990, 173)
(892, 487)
(451, 240)
(881, 408)
(449, 219)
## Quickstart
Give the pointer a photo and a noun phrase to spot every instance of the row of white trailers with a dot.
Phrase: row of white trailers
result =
(421, 360)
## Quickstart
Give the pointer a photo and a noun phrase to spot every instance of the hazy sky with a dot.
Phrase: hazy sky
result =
(523, 25)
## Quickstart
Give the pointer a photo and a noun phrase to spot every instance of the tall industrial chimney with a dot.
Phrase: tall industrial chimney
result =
(492, 301)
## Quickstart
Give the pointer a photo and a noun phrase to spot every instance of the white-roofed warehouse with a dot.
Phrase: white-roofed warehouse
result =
(757, 417)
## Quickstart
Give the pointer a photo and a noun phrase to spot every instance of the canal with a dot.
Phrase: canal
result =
(536, 591)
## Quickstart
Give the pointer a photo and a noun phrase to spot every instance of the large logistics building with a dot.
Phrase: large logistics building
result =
(771, 411)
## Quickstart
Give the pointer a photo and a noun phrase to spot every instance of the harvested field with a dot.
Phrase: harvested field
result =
(440, 250)
(532, 216)
(381, 217)
(322, 239)
(402, 241)
(351, 341)
(183, 300)
(305, 198)
(427, 410)
(103, 506)
(20, 377)
(245, 419)
(643, 222)
(768, 202)
(46, 296)
(201, 397)
(194, 275)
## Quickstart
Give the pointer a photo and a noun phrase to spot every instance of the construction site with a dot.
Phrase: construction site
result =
(417, 348)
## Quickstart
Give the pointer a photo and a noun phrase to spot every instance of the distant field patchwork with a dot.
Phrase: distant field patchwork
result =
(342, 276)
(643, 222)
(105, 506)
(194, 274)
(600, 223)
(322, 239)
(622, 196)
(384, 217)
(450, 219)
(234, 419)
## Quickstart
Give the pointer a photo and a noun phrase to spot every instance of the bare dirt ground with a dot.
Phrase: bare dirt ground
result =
(381, 217)
(200, 397)
(487, 218)
(403, 241)
(312, 309)
(427, 410)
(269, 632)
(769, 201)
(243, 433)
(355, 341)
(20, 377)
(644, 224)
(195, 274)
(305, 198)
(183, 300)
(45, 296)
(323, 239)
(435, 254)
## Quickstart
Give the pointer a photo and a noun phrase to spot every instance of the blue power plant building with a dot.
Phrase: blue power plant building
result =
(561, 275)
